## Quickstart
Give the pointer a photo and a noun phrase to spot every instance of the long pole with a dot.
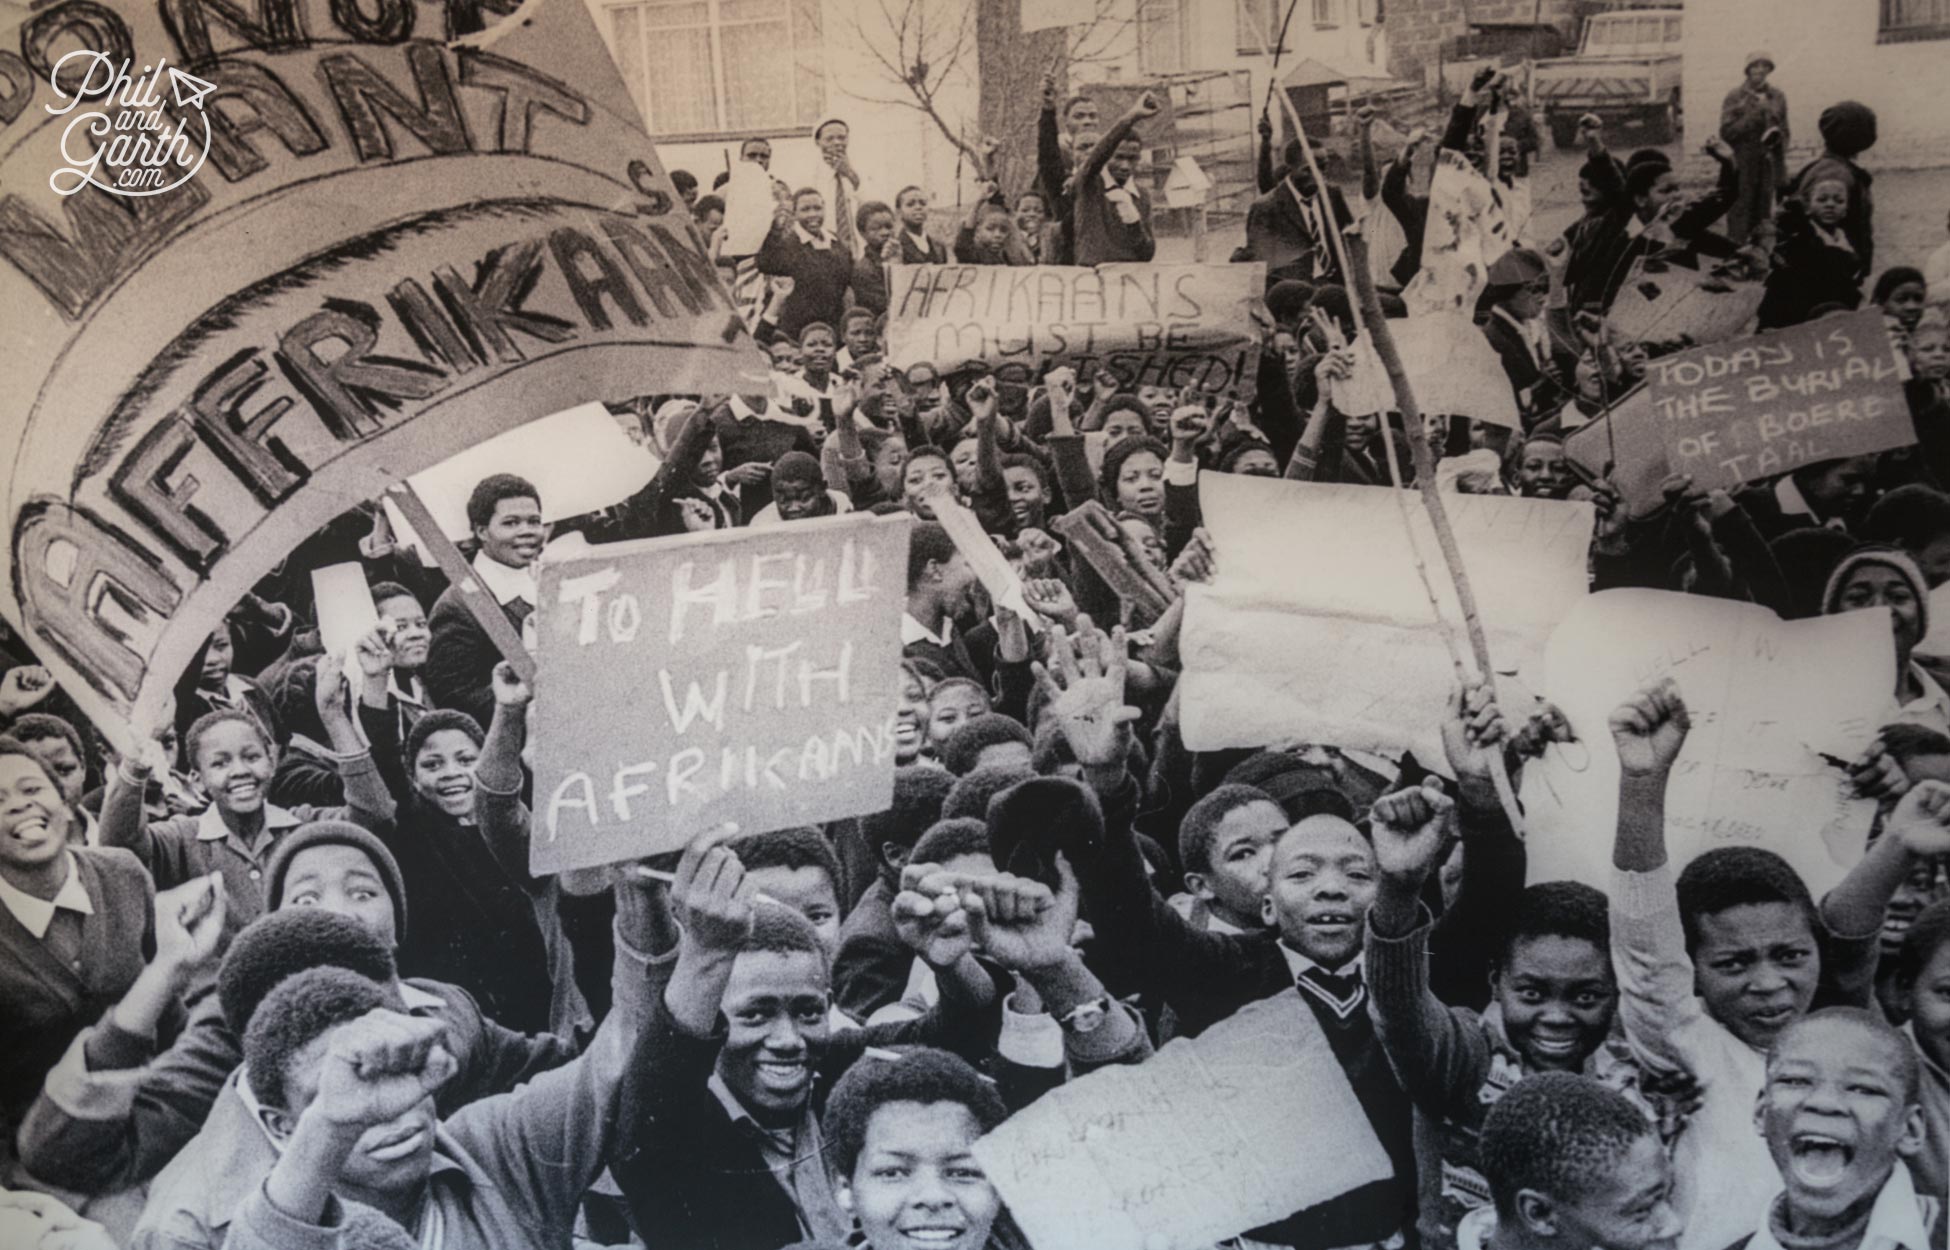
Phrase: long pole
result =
(1367, 309)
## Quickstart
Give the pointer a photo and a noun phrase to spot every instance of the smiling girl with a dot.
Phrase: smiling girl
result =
(73, 925)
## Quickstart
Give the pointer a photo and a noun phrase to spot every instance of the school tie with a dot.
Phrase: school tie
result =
(1342, 994)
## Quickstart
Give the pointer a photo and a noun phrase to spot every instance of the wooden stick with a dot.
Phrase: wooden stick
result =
(1445, 537)
(487, 612)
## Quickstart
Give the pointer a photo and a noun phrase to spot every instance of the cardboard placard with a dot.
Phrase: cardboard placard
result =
(1767, 699)
(990, 565)
(1247, 1123)
(1451, 367)
(739, 675)
(606, 469)
(346, 613)
(1151, 325)
(1316, 627)
(1662, 302)
(395, 248)
(1758, 407)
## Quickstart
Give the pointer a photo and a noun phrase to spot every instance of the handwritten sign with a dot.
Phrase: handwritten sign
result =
(1756, 407)
(741, 675)
(1151, 325)
(398, 246)
(1768, 697)
(1248, 1123)
(1317, 628)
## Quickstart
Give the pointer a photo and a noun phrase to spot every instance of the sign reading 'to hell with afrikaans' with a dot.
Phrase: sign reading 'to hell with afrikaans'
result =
(1178, 326)
(415, 227)
(742, 675)
(1757, 407)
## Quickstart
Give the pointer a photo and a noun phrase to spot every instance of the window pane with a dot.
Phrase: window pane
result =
(758, 74)
(626, 45)
(658, 16)
(750, 10)
(681, 97)
(810, 70)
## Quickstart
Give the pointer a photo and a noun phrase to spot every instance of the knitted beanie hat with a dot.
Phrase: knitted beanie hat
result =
(1848, 128)
(336, 833)
(1875, 554)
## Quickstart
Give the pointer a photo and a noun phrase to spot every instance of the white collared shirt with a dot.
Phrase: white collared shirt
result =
(1297, 963)
(1931, 708)
(1896, 1222)
(210, 826)
(912, 631)
(417, 696)
(36, 914)
(921, 242)
(807, 237)
(506, 584)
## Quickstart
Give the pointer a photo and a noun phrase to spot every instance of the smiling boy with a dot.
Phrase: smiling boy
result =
(1716, 966)
(1839, 1113)
(504, 512)
(1553, 1001)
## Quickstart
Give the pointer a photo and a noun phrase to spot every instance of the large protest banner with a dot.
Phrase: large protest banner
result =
(1755, 407)
(741, 675)
(1768, 699)
(1247, 1123)
(1150, 325)
(1317, 628)
(386, 235)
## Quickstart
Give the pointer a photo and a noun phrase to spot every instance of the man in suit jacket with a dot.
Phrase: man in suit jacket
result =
(505, 513)
(1287, 227)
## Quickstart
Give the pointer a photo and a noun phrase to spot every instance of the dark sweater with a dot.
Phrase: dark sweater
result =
(761, 440)
(873, 963)
(820, 278)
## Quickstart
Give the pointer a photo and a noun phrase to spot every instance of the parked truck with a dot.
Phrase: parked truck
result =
(1627, 70)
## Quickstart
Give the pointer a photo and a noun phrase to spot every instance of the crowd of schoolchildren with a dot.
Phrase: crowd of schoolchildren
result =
(282, 978)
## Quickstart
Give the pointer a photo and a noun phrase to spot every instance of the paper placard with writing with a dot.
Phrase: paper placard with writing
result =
(740, 675)
(398, 246)
(1750, 408)
(1245, 1124)
(1179, 326)
(1768, 699)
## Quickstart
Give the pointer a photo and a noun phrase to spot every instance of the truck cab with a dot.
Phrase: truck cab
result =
(1627, 70)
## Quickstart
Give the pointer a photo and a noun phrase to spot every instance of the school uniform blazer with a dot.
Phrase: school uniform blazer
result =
(48, 1001)
(693, 1178)
(1144, 945)
(114, 1114)
(911, 255)
(459, 671)
(1277, 233)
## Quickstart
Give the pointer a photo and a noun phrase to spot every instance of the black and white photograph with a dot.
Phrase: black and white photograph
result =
(975, 624)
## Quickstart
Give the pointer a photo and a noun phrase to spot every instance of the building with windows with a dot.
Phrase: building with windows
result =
(1889, 54)
(708, 74)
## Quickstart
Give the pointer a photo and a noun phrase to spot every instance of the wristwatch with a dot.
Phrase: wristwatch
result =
(1087, 1016)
